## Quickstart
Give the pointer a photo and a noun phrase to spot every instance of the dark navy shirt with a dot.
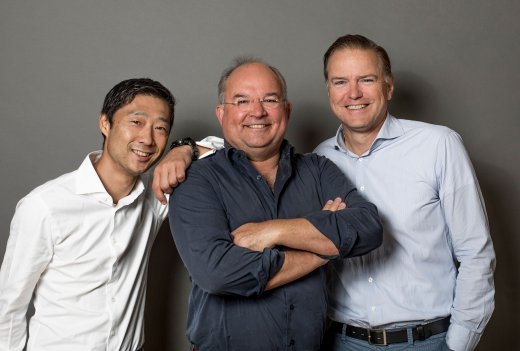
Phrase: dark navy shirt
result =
(228, 307)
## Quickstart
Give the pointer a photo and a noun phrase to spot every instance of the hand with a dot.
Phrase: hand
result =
(334, 205)
(171, 171)
(255, 236)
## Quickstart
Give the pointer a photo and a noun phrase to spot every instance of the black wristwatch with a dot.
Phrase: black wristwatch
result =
(191, 143)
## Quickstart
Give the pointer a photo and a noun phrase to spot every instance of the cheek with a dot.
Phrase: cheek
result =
(161, 141)
(335, 98)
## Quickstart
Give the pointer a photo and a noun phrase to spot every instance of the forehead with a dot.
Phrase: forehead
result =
(146, 102)
(253, 78)
(354, 61)
(145, 106)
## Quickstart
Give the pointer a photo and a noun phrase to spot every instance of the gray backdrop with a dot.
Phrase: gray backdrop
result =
(455, 62)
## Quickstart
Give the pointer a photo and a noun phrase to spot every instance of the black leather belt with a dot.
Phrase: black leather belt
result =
(392, 336)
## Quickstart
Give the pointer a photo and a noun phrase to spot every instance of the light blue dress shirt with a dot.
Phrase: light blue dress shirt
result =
(422, 181)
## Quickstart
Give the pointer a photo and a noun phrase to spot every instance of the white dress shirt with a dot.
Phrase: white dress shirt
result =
(86, 260)
(421, 179)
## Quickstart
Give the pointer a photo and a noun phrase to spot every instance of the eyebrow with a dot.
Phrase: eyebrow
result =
(357, 77)
(141, 113)
(138, 113)
(369, 76)
(237, 96)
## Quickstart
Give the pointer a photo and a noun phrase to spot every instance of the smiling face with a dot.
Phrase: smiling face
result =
(358, 91)
(136, 138)
(258, 130)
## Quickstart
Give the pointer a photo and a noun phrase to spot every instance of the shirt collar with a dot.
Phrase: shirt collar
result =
(238, 158)
(390, 130)
(89, 184)
(286, 150)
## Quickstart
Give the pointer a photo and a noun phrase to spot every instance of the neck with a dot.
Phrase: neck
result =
(360, 141)
(117, 183)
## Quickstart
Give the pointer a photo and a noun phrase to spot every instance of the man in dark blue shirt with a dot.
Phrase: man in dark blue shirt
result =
(254, 227)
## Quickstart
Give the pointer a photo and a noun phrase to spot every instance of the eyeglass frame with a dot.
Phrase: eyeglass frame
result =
(248, 103)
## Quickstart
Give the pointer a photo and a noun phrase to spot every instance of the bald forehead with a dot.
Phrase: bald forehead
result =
(253, 69)
(249, 74)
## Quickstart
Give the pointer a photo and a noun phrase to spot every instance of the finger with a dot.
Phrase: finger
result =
(178, 175)
(156, 188)
(327, 205)
(336, 204)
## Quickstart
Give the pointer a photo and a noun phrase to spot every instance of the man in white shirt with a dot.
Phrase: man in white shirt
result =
(81, 242)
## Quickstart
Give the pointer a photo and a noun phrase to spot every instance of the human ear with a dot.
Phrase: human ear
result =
(104, 124)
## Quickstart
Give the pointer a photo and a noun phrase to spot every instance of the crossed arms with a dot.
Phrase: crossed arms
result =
(237, 251)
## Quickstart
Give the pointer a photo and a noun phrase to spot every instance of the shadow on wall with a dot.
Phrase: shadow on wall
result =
(310, 124)
(166, 297)
(500, 333)
(414, 98)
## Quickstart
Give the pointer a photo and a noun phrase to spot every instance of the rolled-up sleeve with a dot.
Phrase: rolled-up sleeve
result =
(200, 228)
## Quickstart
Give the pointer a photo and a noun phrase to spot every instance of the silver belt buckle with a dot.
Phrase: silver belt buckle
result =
(375, 342)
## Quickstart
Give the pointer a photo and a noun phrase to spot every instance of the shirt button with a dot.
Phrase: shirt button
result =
(370, 280)
(113, 299)
(360, 159)
(373, 308)
(291, 343)
(362, 188)
(112, 333)
(291, 307)
(258, 177)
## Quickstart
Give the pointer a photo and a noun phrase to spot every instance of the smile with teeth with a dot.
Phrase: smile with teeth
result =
(356, 107)
(257, 126)
(141, 153)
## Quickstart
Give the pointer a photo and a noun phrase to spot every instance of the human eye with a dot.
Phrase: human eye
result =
(270, 100)
(161, 129)
(242, 102)
(339, 82)
(368, 80)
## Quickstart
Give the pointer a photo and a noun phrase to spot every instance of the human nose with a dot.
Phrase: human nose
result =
(354, 91)
(257, 107)
(146, 135)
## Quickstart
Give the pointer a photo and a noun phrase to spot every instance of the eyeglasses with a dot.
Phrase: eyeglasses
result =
(269, 103)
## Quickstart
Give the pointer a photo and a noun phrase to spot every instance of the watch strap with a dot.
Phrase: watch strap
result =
(191, 143)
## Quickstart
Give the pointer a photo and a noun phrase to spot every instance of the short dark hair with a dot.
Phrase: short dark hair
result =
(356, 41)
(125, 92)
(244, 60)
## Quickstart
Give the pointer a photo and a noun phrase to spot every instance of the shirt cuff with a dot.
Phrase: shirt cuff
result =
(461, 339)
(207, 153)
(211, 142)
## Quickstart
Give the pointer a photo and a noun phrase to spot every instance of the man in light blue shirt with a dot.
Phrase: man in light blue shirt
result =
(430, 285)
